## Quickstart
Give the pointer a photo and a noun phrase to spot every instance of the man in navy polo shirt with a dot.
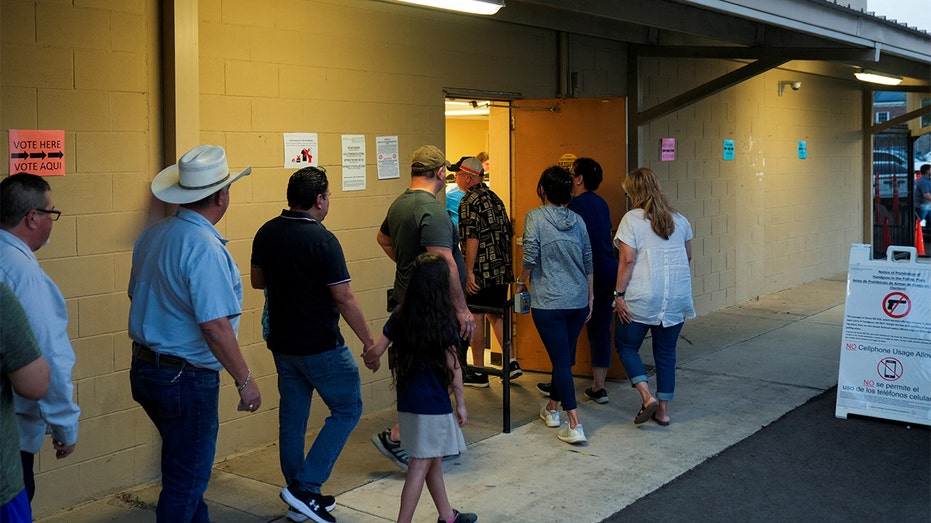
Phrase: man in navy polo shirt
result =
(301, 265)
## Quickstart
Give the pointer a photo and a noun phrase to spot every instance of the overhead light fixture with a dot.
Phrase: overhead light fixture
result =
(474, 108)
(876, 77)
(478, 7)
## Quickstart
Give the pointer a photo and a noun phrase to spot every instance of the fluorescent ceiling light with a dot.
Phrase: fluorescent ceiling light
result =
(877, 77)
(478, 7)
(454, 108)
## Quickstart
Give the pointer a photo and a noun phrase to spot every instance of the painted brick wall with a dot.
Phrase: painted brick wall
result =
(766, 220)
(763, 222)
(90, 69)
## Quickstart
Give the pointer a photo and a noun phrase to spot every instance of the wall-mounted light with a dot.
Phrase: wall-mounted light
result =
(478, 7)
(876, 77)
(794, 84)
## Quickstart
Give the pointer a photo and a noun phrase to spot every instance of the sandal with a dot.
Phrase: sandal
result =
(659, 422)
(646, 412)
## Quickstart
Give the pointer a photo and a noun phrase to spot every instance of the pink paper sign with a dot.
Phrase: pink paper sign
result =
(37, 152)
(668, 149)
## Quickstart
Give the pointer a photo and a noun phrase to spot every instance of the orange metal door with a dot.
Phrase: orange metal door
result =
(543, 131)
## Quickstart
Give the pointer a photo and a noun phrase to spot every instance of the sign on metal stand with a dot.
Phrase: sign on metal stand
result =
(885, 355)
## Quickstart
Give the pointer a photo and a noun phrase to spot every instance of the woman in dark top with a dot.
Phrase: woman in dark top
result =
(586, 177)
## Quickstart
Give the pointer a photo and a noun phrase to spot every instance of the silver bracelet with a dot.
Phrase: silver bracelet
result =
(245, 382)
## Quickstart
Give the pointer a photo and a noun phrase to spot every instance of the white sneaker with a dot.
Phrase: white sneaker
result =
(576, 435)
(550, 417)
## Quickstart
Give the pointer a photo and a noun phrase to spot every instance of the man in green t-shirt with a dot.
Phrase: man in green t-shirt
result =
(23, 369)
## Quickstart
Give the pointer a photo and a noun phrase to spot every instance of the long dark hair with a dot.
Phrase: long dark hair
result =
(425, 323)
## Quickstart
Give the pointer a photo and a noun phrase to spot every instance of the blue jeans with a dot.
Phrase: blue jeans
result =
(334, 374)
(629, 336)
(182, 404)
(559, 329)
(17, 510)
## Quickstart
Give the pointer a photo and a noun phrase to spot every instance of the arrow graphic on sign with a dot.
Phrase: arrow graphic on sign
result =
(37, 155)
(59, 154)
(20, 155)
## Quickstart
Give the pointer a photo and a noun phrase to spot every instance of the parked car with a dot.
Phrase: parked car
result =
(891, 166)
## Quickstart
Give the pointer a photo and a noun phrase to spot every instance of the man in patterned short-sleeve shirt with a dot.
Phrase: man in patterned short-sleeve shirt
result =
(486, 234)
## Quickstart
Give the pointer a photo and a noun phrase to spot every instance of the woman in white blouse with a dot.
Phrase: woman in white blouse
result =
(654, 289)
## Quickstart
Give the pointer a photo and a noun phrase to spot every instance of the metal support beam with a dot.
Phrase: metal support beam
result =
(705, 90)
(911, 115)
(831, 54)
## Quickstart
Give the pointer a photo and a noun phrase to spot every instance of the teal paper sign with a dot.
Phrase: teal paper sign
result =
(802, 150)
(728, 149)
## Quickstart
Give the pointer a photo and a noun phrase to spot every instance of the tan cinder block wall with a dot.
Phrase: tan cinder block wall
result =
(766, 220)
(372, 68)
(90, 68)
(331, 68)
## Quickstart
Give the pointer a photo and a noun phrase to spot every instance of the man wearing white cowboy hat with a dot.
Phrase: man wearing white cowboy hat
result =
(186, 299)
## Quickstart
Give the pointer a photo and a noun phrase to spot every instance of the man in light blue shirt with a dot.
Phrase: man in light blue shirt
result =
(26, 216)
(186, 299)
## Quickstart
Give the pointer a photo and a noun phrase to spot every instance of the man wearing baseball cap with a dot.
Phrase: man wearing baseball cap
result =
(417, 222)
(186, 300)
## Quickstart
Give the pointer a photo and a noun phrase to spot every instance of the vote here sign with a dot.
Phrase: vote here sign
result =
(37, 152)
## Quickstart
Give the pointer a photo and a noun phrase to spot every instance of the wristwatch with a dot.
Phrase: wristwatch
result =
(619, 293)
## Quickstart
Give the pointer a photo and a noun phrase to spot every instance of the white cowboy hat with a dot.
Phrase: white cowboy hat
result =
(201, 172)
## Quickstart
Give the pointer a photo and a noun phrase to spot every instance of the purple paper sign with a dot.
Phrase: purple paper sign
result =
(668, 150)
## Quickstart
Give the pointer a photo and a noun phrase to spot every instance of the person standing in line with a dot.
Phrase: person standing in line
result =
(425, 336)
(457, 190)
(486, 162)
(25, 371)
(417, 222)
(586, 178)
(26, 217)
(923, 195)
(558, 262)
(486, 234)
(185, 303)
(301, 266)
(654, 289)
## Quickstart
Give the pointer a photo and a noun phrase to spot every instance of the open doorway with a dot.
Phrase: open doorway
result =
(474, 127)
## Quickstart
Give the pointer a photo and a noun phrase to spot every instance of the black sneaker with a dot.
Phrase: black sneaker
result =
(459, 517)
(391, 449)
(309, 504)
(328, 502)
(601, 396)
(515, 370)
(545, 388)
(474, 379)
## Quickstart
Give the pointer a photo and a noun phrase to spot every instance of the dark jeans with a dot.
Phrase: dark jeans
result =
(559, 329)
(599, 328)
(334, 375)
(29, 476)
(182, 403)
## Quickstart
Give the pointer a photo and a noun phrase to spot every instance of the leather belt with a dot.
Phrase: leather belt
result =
(163, 360)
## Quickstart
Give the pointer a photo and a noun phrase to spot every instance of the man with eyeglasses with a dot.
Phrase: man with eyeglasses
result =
(26, 216)
(302, 267)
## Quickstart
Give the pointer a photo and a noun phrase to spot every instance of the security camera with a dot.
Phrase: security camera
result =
(796, 86)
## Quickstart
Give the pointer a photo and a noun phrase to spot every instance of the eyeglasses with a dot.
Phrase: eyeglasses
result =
(54, 213)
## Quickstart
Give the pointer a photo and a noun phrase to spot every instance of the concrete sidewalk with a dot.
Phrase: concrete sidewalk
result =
(739, 370)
